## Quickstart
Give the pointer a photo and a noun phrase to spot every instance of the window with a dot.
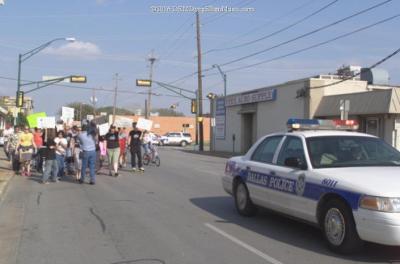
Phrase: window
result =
(266, 149)
(186, 135)
(348, 151)
(292, 148)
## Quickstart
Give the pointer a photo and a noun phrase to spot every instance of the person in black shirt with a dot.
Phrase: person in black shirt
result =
(112, 146)
(51, 166)
(135, 144)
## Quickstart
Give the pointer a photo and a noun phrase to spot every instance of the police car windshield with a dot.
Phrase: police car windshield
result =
(349, 151)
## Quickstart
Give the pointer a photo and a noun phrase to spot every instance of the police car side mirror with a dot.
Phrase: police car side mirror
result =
(295, 162)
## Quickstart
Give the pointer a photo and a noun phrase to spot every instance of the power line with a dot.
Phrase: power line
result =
(275, 32)
(269, 22)
(216, 17)
(315, 45)
(169, 50)
(307, 34)
(291, 40)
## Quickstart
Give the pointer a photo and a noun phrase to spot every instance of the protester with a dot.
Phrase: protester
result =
(26, 147)
(61, 148)
(77, 152)
(12, 145)
(69, 155)
(146, 141)
(7, 133)
(38, 138)
(135, 145)
(102, 149)
(87, 141)
(113, 150)
(122, 146)
(51, 163)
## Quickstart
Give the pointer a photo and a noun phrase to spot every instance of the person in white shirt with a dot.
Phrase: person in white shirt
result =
(8, 132)
(146, 141)
(61, 148)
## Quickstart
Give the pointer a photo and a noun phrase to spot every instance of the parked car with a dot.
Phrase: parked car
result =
(176, 138)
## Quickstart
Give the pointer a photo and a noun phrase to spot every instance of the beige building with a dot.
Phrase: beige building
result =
(255, 113)
(8, 102)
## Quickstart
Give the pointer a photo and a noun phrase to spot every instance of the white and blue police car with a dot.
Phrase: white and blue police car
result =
(324, 173)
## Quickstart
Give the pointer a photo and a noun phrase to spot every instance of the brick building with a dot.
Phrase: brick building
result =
(164, 124)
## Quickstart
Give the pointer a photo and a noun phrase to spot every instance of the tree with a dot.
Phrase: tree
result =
(166, 112)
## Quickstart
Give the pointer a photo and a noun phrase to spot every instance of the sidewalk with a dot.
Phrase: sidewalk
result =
(5, 172)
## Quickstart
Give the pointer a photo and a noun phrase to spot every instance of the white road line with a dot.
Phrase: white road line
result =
(242, 244)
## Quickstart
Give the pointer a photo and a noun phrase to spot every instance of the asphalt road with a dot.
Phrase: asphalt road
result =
(174, 214)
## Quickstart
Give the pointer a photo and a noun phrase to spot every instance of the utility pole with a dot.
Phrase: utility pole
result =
(151, 59)
(200, 86)
(116, 78)
(94, 101)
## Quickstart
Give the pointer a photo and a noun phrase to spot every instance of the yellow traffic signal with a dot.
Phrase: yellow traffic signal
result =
(78, 79)
(19, 100)
(141, 82)
(194, 106)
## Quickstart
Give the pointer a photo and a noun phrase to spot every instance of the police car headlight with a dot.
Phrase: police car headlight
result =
(382, 204)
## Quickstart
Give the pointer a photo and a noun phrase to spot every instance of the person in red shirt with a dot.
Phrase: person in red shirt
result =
(38, 137)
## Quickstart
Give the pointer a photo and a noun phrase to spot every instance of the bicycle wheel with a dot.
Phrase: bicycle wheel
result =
(146, 159)
(157, 161)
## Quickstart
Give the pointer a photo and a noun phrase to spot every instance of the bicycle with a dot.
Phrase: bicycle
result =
(152, 156)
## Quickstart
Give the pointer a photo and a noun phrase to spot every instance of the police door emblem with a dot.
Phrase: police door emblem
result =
(301, 184)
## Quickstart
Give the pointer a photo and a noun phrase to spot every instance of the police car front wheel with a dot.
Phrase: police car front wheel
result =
(243, 203)
(339, 227)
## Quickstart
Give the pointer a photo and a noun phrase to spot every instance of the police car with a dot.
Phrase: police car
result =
(321, 172)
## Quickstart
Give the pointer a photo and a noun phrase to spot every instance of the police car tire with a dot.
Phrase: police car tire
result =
(249, 208)
(183, 144)
(351, 242)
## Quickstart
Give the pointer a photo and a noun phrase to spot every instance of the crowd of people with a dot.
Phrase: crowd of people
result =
(56, 153)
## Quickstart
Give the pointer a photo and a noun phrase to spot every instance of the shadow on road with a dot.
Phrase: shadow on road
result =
(225, 155)
(286, 230)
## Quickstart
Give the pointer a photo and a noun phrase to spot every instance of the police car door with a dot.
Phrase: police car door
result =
(288, 184)
(258, 166)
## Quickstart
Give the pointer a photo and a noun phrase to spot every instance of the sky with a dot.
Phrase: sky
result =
(118, 36)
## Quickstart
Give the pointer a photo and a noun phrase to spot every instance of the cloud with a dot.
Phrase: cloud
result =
(75, 49)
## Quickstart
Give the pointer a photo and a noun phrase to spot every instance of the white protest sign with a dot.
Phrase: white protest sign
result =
(46, 122)
(123, 122)
(89, 117)
(103, 129)
(144, 124)
(67, 113)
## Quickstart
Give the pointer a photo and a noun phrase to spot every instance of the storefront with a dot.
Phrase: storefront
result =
(241, 119)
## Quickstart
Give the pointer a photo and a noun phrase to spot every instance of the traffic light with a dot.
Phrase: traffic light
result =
(142, 82)
(194, 106)
(19, 100)
(77, 79)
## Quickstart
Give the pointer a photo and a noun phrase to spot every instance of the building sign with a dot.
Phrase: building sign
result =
(220, 119)
(251, 97)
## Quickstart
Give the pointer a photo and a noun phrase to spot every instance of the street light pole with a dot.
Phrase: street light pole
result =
(223, 74)
(23, 57)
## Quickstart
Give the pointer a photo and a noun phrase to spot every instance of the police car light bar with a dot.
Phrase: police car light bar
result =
(320, 124)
